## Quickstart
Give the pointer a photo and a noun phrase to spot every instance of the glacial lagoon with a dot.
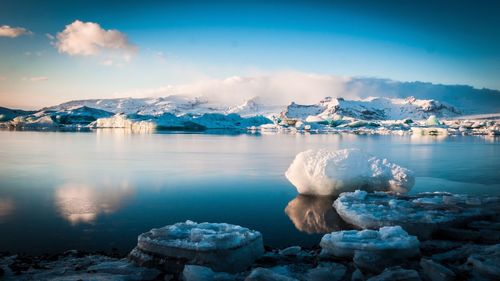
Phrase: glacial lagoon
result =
(98, 190)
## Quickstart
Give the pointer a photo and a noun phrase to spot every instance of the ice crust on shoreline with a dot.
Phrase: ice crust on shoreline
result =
(388, 239)
(324, 172)
(420, 214)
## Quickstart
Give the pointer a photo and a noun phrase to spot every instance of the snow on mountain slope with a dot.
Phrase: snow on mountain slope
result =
(371, 109)
(147, 106)
(253, 107)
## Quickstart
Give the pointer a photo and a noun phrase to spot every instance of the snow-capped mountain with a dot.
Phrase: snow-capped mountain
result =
(371, 109)
(175, 104)
(253, 107)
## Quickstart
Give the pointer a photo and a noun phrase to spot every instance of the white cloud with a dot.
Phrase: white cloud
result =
(35, 79)
(278, 88)
(89, 39)
(12, 32)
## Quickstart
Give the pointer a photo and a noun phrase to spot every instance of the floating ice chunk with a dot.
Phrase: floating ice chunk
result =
(432, 121)
(324, 172)
(432, 131)
(314, 119)
(420, 215)
(389, 239)
(220, 246)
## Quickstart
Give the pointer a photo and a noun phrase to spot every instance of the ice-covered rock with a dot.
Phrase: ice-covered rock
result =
(389, 240)
(397, 274)
(435, 271)
(486, 262)
(314, 214)
(420, 214)
(202, 273)
(290, 251)
(220, 246)
(325, 172)
(264, 274)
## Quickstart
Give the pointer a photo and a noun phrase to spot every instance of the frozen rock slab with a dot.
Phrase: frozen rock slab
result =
(220, 246)
(387, 241)
(422, 214)
(324, 172)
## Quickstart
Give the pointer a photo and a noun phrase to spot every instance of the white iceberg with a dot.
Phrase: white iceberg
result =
(325, 172)
(220, 246)
(387, 240)
(432, 121)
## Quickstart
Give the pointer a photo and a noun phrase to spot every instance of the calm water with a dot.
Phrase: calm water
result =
(99, 190)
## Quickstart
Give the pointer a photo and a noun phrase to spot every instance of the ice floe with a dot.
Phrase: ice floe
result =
(325, 172)
(392, 240)
(421, 214)
(220, 246)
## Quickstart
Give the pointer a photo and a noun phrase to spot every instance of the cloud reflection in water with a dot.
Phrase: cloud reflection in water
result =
(81, 203)
(6, 208)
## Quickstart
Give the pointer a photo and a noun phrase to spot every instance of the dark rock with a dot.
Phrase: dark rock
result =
(375, 262)
(485, 225)
(431, 247)
(326, 272)
(459, 234)
(357, 275)
(485, 263)
(435, 271)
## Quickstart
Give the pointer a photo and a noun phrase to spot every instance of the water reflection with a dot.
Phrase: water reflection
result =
(6, 208)
(81, 203)
(314, 214)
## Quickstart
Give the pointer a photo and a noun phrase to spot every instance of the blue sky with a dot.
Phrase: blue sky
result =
(182, 42)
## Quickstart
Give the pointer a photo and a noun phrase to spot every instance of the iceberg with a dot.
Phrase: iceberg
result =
(387, 240)
(324, 172)
(220, 246)
(421, 214)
